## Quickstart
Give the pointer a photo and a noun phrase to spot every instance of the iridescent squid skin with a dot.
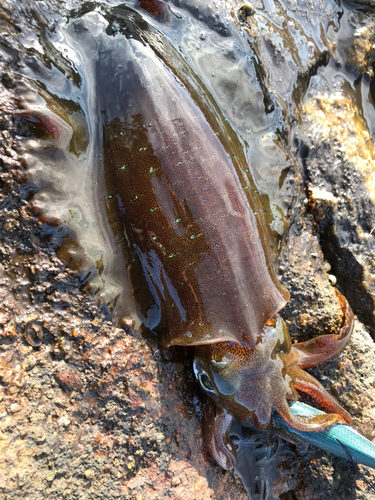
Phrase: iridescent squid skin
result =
(195, 254)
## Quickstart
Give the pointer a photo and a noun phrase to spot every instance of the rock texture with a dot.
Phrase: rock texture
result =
(92, 411)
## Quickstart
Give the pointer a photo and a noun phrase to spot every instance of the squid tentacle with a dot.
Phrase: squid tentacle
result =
(303, 381)
(216, 430)
(325, 347)
(307, 424)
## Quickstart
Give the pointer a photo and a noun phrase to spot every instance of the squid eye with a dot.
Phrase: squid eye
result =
(205, 382)
(203, 378)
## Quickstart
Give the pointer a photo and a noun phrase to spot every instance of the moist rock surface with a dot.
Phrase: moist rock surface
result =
(90, 410)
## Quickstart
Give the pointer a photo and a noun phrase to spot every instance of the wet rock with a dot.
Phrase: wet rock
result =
(362, 55)
(15, 407)
(123, 419)
(350, 380)
(314, 308)
(346, 222)
(68, 377)
(336, 131)
(245, 11)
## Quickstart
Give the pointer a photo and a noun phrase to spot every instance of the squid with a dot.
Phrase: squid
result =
(196, 252)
